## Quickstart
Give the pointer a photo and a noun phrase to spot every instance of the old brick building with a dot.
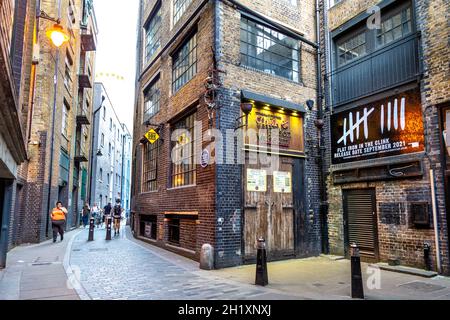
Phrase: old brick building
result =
(55, 104)
(202, 66)
(387, 98)
(12, 144)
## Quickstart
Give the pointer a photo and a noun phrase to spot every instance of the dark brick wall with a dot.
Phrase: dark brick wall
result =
(398, 238)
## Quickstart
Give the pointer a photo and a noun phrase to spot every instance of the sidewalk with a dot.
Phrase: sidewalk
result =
(36, 272)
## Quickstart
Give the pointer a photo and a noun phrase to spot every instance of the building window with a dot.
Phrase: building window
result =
(150, 167)
(109, 148)
(352, 48)
(153, 34)
(110, 124)
(184, 63)
(101, 201)
(68, 73)
(395, 27)
(179, 7)
(152, 95)
(101, 174)
(174, 231)
(183, 164)
(65, 120)
(102, 140)
(104, 113)
(107, 179)
(270, 51)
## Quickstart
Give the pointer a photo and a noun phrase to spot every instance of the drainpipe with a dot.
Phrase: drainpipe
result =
(435, 221)
(320, 124)
(55, 88)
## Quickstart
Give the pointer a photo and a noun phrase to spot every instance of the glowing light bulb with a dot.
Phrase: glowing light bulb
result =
(57, 35)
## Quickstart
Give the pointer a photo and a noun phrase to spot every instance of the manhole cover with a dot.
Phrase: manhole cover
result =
(422, 286)
(98, 249)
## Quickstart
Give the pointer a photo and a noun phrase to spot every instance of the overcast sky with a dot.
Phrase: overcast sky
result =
(116, 53)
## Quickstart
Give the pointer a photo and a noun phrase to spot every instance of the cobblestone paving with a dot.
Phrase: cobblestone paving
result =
(121, 269)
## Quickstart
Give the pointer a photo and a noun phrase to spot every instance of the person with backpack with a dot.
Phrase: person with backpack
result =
(107, 213)
(117, 216)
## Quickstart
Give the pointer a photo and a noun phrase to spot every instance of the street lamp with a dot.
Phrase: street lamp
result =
(56, 33)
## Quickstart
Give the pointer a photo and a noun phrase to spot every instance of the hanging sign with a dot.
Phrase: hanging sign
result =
(282, 182)
(256, 180)
(152, 136)
(387, 127)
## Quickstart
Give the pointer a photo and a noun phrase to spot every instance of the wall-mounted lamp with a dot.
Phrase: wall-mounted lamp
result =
(56, 34)
(310, 104)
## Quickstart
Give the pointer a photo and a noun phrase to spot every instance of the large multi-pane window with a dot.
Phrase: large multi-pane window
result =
(179, 7)
(152, 95)
(268, 50)
(153, 34)
(184, 63)
(394, 27)
(183, 144)
(150, 167)
(396, 24)
(352, 48)
(65, 120)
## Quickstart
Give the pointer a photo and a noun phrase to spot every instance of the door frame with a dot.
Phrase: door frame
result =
(372, 191)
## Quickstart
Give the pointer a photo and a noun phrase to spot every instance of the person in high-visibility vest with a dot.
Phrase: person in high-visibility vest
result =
(58, 216)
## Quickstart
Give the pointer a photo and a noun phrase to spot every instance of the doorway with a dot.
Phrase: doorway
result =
(269, 209)
(360, 222)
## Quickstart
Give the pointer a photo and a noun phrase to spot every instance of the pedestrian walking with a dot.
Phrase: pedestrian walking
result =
(117, 213)
(58, 217)
(107, 213)
(95, 212)
(86, 211)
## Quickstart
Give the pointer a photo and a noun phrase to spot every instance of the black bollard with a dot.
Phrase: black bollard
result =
(91, 230)
(261, 264)
(108, 228)
(357, 281)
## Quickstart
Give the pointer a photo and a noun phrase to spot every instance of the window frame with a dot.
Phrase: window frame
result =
(177, 170)
(277, 66)
(359, 25)
(178, 59)
(148, 54)
(156, 103)
(150, 157)
(177, 14)
(173, 223)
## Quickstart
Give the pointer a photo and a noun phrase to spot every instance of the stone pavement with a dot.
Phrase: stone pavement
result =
(126, 268)
(36, 272)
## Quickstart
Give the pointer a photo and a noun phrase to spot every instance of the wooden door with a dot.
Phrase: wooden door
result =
(269, 213)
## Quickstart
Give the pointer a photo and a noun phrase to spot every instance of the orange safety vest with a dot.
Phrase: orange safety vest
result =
(58, 215)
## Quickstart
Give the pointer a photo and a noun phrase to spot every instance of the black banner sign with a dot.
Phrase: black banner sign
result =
(388, 127)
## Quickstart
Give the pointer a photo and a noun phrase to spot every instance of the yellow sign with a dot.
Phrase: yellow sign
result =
(152, 136)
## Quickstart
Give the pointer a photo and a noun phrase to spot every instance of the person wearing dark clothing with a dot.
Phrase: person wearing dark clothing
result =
(86, 211)
(58, 217)
(117, 213)
(107, 212)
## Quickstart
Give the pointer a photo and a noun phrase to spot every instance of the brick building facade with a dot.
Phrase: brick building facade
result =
(55, 107)
(199, 64)
(390, 59)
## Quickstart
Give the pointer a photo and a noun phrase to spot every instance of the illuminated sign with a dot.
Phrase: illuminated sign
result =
(288, 125)
(387, 127)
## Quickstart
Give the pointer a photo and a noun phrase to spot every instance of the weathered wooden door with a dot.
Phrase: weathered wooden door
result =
(269, 211)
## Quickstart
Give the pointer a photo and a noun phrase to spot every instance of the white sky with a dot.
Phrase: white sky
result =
(116, 53)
